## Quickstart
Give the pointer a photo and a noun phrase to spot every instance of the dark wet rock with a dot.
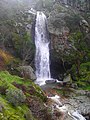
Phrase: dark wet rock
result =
(51, 81)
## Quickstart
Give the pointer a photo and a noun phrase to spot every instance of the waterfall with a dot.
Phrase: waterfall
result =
(42, 49)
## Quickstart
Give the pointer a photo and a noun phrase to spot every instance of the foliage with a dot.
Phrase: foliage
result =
(29, 115)
(12, 113)
(79, 57)
(73, 22)
(85, 71)
(14, 36)
(83, 80)
(46, 4)
(82, 5)
(15, 96)
(3, 86)
(6, 56)
(23, 44)
(10, 79)
(4, 75)
(39, 92)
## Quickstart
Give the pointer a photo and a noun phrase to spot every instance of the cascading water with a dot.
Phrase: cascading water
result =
(42, 49)
(74, 114)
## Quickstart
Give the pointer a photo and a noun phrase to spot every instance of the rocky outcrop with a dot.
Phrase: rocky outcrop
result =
(79, 101)
(71, 109)
(67, 79)
(62, 21)
(68, 30)
(75, 106)
(58, 28)
(27, 72)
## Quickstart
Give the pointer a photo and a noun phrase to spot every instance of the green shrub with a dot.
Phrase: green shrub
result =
(85, 72)
(3, 86)
(15, 96)
(83, 80)
(9, 112)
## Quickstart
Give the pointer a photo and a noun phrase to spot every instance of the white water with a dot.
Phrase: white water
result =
(75, 115)
(42, 49)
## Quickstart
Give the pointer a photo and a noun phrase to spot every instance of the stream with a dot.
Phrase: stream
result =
(63, 109)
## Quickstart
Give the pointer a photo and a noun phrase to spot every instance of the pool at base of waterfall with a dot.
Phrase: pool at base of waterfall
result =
(42, 81)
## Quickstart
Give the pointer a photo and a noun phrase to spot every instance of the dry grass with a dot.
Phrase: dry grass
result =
(5, 56)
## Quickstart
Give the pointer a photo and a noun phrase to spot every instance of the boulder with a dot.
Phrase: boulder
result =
(27, 72)
(51, 81)
(80, 103)
(56, 21)
(85, 26)
(67, 79)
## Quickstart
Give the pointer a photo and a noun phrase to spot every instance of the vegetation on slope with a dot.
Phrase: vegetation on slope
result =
(15, 96)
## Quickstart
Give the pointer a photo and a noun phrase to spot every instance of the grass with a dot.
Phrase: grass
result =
(7, 78)
(6, 56)
(19, 112)
(4, 75)
(12, 113)
(87, 87)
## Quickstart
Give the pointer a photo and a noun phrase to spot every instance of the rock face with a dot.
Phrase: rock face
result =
(63, 23)
(58, 28)
(56, 22)
(82, 104)
(27, 72)
(59, 31)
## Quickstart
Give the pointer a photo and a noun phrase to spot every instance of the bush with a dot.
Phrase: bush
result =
(85, 72)
(83, 80)
(6, 57)
(3, 87)
(15, 96)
